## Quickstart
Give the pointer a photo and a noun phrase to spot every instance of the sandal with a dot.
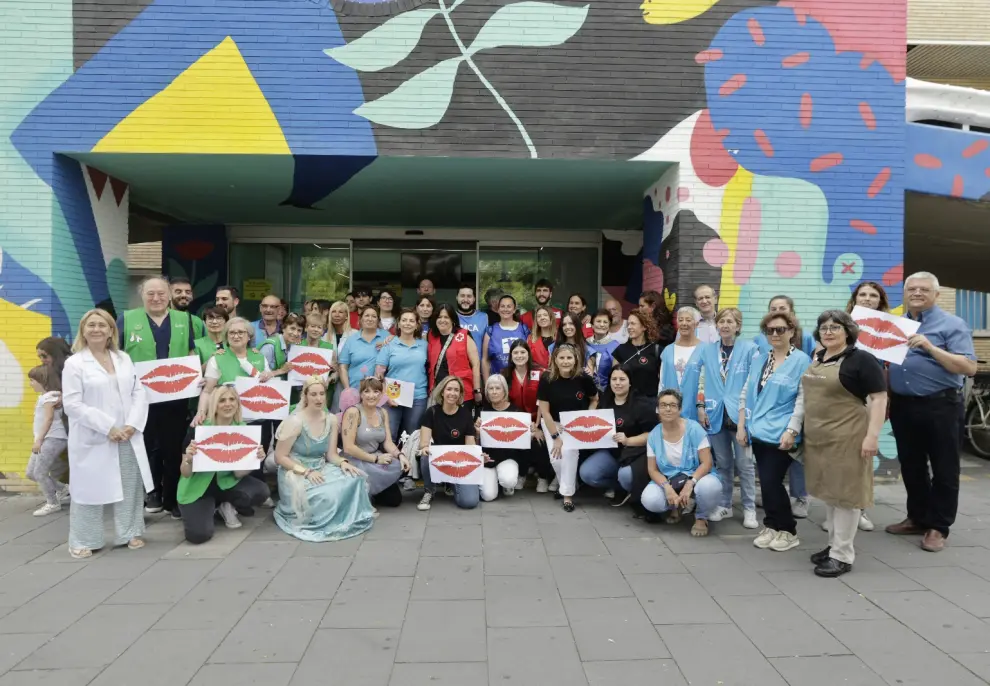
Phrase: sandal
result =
(80, 553)
(700, 528)
(568, 506)
(674, 517)
(135, 544)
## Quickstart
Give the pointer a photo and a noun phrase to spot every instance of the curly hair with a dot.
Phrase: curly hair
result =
(649, 323)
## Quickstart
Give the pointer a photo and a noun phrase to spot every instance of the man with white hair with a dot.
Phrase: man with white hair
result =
(926, 409)
(706, 301)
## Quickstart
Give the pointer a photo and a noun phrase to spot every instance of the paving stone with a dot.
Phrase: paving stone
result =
(104, 566)
(16, 647)
(617, 523)
(870, 574)
(510, 524)
(613, 629)
(445, 540)
(162, 658)
(548, 510)
(977, 663)
(443, 631)
(957, 585)
(679, 539)
(675, 599)
(847, 670)
(377, 602)
(946, 626)
(356, 657)
(401, 525)
(778, 627)
(540, 655)
(49, 677)
(307, 578)
(386, 558)
(346, 548)
(727, 574)
(614, 672)
(214, 604)
(572, 539)
(765, 561)
(738, 663)
(582, 576)
(18, 528)
(256, 559)
(272, 631)
(824, 599)
(523, 601)
(445, 512)
(635, 546)
(515, 556)
(29, 580)
(60, 606)
(13, 555)
(223, 543)
(166, 581)
(273, 674)
(440, 674)
(449, 578)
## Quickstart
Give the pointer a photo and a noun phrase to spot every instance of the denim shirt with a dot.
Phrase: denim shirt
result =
(921, 374)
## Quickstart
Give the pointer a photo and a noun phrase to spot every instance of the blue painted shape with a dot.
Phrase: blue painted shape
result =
(948, 147)
(20, 286)
(317, 176)
(770, 100)
(652, 240)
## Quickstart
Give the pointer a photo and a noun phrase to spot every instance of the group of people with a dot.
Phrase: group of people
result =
(695, 405)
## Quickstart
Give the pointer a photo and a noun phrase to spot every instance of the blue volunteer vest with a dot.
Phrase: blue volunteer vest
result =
(689, 381)
(604, 351)
(499, 341)
(722, 397)
(476, 324)
(694, 434)
(768, 412)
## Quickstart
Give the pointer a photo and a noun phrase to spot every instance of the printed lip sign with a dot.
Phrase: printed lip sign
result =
(226, 448)
(505, 430)
(263, 400)
(588, 429)
(884, 335)
(170, 379)
(456, 464)
(306, 362)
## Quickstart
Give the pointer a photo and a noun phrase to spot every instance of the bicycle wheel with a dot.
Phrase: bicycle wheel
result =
(978, 430)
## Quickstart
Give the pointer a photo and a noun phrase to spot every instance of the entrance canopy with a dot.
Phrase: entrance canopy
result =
(385, 191)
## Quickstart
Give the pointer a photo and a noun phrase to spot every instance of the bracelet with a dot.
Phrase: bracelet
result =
(300, 470)
(700, 406)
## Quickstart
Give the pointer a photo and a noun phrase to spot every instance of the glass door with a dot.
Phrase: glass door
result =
(571, 269)
(401, 265)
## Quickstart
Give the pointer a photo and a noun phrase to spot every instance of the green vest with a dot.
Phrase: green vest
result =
(326, 345)
(230, 367)
(199, 326)
(281, 356)
(205, 348)
(139, 342)
(192, 488)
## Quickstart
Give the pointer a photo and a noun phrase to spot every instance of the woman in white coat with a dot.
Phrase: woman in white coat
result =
(107, 409)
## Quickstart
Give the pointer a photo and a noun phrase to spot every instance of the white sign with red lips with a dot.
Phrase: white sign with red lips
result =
(457, 464)
(402, 392)
(884, 335)
(172, 379)
(307, 362)
(587, 429)
(505, 430)
(226, 448)
(263, 400)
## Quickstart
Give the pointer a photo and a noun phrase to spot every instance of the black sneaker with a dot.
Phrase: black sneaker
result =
(153, 504)
(821, 556)
(621, 498)
(176, 514)
(832, 568)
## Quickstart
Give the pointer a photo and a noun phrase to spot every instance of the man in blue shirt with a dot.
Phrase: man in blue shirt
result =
(268, 325)
(926, 412)
(467, 312)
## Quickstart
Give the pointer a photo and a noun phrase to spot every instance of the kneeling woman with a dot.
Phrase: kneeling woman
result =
(202, 494)
(368, 444)
(322, 496)
(679, 460)
(447, 422)
(505, 466)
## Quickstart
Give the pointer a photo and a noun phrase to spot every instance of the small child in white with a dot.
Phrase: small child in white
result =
(50, 440)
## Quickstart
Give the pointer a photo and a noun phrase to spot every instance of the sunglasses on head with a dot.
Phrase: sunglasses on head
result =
(777, 330)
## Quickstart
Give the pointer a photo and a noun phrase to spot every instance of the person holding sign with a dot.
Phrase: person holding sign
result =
(841, 433)
(276, 348)
(107, 410)
(507, 467)
(679, 460)
(315, 328)
(203, 494)
(404, 358)
(368, 444)
(206, 346)
(523, 378)
(235, 360)
(322, 496)
(446, 422)
(564, 388)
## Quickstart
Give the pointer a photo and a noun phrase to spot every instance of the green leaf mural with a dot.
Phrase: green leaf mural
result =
(386, 45)
(419, 102)
(530, 24)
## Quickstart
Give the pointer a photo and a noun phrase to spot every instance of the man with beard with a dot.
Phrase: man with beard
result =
(542, 291)
(182, 297)
(228, 298)
(268, 325)
(467, 312)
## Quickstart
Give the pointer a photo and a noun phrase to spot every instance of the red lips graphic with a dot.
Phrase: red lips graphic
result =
(169, 378)
(588, 429)
(227, 447)
(894, 337)
(310, 364)
(457, 464)
(262, 399)
(505, 429)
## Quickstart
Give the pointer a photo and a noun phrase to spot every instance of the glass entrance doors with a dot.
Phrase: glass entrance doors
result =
(401, 265)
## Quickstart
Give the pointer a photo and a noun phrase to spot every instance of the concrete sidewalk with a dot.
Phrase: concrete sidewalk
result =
(515, 592)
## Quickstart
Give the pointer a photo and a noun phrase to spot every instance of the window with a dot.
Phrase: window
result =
(972, 307)
(516, 271)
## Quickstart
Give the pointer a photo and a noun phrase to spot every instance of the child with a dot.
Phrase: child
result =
(50, 440)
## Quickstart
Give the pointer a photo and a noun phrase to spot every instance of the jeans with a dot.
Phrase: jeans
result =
(505, 474)
(795, 478)
(466, 496)
(730, 459)
(772, 463)
(625, 478)
(405, 419)
(706, 494)
(600, 470)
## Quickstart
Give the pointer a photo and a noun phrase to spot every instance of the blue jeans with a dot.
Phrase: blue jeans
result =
(796, 479)
(466, 497)
(405, 419)
(625, 478)
(600, 470)
(706, 494)
(730, 459)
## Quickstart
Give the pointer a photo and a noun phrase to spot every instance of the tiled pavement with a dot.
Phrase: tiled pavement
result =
(517, 592)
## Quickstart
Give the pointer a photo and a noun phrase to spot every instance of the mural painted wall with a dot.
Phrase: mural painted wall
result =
(786, 120)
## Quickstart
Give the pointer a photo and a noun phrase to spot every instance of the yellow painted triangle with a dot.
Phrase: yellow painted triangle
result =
(214, 106)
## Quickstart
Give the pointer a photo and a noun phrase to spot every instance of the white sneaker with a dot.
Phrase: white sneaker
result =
(784, 540)
(541, 486)
(425, 502)
(554, 485)
(521, 482)
(62, 493)
(229, 515)
(408, 484)
(47, 509)
(508, 491)
(824, 525)
(610, 493)
(749, 519)
(864, 523)
(799, 508)
(720, 513)
(269, 503)
(765, 538)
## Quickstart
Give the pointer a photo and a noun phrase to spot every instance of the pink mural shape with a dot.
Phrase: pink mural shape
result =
(788, 264)
(716, 252)
(748, 241)
(711, 162)
(652, 277)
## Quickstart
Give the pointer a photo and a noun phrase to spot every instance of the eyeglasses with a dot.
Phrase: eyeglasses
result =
(214, 318)
(669, 406)
(777, 330)
(237, 333)
(834, 328)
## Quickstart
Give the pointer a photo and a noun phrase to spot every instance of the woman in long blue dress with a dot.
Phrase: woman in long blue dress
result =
(322, 496)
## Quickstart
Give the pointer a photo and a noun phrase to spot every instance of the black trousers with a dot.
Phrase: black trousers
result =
(772, 464)
(197, 517)
(163, 434)
(926, 429)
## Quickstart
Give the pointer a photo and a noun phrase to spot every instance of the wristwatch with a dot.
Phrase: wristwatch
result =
(792, 432)
(693, 481)
(555, 436)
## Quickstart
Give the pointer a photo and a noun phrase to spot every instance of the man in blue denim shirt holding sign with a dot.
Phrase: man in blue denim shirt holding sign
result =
(926, 410)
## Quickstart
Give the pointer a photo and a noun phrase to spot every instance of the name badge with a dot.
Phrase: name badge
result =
(534, 376)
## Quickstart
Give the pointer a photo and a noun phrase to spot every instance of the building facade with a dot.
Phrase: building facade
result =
(304, 146)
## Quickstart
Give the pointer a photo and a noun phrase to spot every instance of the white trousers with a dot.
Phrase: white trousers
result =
(842, 524)
(505, 473)
(566, 469)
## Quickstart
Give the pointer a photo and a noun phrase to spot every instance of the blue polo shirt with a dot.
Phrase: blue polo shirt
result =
(921, 374)
(359, 355)
(259, 333)
(405, 363)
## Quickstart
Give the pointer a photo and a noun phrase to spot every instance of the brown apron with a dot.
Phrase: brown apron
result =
(835, 424)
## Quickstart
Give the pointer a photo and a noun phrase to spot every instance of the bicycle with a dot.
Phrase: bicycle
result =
(977, 422)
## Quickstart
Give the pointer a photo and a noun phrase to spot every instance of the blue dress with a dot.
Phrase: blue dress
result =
(336, 509)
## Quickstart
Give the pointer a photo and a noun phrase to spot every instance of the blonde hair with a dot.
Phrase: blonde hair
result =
(304, 397)
(346, 328)
(80, 343)
(554, 373)
(215, 398)
(732, 312)
(437, 395)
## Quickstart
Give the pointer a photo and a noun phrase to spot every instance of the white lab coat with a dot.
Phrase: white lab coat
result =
(94, 464)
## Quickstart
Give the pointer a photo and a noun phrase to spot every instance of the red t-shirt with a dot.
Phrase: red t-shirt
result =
(355, 321)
